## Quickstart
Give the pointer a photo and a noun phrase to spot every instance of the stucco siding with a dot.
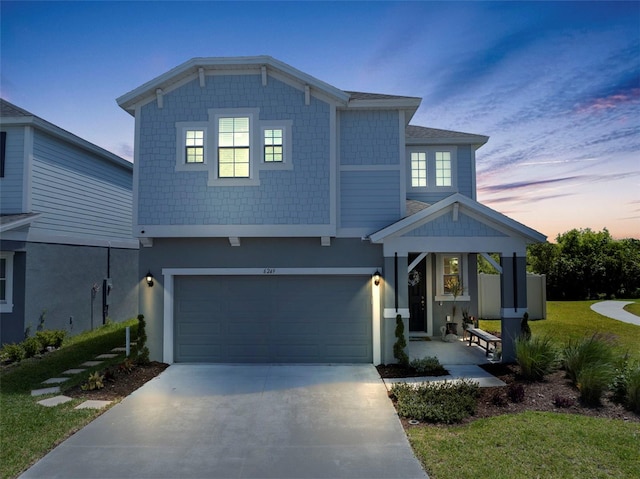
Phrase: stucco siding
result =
(369, 199)
(300, 195)
(11, 186)
(465, 226)
(369, 138)
(78, 193)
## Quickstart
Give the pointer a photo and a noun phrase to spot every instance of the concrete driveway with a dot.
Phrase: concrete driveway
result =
(243, 421)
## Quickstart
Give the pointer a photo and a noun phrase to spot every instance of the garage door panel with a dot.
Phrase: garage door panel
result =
(272, 319)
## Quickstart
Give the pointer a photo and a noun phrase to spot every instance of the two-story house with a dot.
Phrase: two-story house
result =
(67, 256)
(285, 220)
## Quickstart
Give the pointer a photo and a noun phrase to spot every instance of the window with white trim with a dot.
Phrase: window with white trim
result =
(234, 142)
(6, 282)
(194, 146)
(443, 168)
(418, 169)
(191, 145)
(273, 145)
(452, 277)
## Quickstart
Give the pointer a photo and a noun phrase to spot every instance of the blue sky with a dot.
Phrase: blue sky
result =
(556, 86)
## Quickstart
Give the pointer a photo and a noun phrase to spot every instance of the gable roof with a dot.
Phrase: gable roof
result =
(418, 135)
(16, 116)
(492, 218)
(192, 67)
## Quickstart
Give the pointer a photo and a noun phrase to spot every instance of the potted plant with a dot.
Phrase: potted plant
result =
(455, 288)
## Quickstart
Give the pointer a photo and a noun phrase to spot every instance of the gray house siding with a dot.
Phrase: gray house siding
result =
(261, 253)
(11, 185)
(59, 279)
(369, 199)
(79, 194)
(465, 170)
(11, 324)
(299, 196)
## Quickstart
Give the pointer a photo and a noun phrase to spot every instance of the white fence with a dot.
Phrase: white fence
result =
(489, 296)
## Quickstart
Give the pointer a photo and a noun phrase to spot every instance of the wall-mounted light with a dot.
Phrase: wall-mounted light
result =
(149, 278)
(376, 278)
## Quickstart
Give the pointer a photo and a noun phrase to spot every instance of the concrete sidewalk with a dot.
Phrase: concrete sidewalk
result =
(243, 421)
(614, 310)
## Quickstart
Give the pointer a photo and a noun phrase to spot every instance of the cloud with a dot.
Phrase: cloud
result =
(525, 184)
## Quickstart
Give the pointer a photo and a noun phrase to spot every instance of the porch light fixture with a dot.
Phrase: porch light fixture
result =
(149, 278)
(376, 278)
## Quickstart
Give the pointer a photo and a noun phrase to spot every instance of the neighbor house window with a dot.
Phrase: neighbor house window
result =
(233, 147)
(273, 145)
(6, 282)
(443, 168)
(418, 169)
(194, 146)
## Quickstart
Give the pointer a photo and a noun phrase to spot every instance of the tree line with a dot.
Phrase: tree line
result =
(585, 264)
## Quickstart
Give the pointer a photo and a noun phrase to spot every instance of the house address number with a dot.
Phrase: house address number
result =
(269, 271)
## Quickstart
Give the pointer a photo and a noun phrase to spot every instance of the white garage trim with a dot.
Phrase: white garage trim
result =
(170, 273)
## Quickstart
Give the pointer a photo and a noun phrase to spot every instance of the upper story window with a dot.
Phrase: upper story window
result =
(273, 145)
(6, 282)
(431, 167)
(234, 141)
(443, 168)
(194, 146)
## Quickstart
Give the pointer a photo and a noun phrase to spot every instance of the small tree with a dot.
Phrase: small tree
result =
(401, 343)
(455, 288)
(142, 352)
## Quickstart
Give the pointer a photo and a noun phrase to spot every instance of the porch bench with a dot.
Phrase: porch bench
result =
(482, 335)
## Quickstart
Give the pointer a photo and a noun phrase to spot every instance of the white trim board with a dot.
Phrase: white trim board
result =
(168, 300)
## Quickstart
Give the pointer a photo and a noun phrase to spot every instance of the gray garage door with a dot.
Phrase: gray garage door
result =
(241, 319)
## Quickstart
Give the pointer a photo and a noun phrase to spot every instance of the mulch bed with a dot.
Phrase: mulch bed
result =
(389, 371)
(122, 384)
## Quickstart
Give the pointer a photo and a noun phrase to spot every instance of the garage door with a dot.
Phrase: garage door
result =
(290, 319)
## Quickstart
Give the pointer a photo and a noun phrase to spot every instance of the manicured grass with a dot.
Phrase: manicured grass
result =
(529, 445)
(29, 430)
(574, 320)
(633, 308)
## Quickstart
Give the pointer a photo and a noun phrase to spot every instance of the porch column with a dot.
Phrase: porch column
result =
(396, 301)
(513, 301)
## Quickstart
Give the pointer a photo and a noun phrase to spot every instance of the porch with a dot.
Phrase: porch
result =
(454, 353)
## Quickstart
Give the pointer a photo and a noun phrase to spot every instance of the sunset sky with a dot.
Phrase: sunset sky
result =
(556, 86)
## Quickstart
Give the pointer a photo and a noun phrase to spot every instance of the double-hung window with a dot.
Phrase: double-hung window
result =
(452, 277)
(418, 169)
(443, 168)
(191, 142)
(194, 146)
(234, 141)
(273, 145)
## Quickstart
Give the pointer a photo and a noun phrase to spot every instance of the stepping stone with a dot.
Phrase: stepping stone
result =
(106, 356)
(91, 363)
(54, 401)
(93, 404)
(43, 391)
(55, 380)
(73, 371)
(119, 350)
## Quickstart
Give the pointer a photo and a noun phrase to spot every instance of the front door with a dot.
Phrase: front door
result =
(417, 297)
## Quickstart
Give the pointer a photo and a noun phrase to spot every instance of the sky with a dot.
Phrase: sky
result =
(555, 85)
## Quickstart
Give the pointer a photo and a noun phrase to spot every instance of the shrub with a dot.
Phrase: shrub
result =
(429, 366)
(515, 392)
(401, 343)
(633, 389)
(498, 399)
(52, 337)
(579, 354)
(592, 381)
(563, 401)
(12, 352)
(536, 357)
(445, 402)
(525, 329)
(142, 351)
(95, 381)
(620, 382)
(32, 347)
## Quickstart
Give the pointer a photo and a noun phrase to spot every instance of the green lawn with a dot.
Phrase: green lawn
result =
(29, 430)
(575, 319)
(633, 308)
(536, 444)
(530, 445)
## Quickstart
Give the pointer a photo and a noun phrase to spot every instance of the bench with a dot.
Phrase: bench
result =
(481, 335)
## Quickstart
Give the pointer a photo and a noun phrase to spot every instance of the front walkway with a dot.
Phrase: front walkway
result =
(615, 310)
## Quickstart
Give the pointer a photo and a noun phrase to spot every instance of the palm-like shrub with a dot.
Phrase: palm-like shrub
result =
(536, 357)
(633, 389)
(592, 381)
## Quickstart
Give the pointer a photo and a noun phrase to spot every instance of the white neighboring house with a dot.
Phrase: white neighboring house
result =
(67, 254)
